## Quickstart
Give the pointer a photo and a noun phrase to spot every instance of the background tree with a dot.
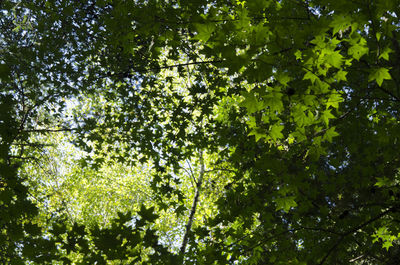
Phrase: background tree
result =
(296, 101)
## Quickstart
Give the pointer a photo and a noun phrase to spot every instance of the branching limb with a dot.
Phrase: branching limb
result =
(191, 172)
(353, 230)
(194, 205)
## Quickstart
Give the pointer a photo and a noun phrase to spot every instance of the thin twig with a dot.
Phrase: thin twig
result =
(191, 171)
(220, 169)
(355, 229)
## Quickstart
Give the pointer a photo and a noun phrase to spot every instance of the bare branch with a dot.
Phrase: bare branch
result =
(194, 205)
(220, 169)
(191, 172)
(49, 130)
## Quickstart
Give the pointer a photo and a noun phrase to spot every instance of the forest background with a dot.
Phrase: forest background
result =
(199, 132)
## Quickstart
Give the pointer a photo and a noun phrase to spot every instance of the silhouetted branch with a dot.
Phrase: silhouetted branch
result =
(194, 205)
(354, 229)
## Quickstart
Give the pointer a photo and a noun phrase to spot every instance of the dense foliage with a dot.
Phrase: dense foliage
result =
(199, 132)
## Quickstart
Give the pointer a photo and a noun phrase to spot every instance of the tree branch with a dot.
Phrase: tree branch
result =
(141, 70)
(194, 205)
(49, 130)
(220, 169)
(354, 229)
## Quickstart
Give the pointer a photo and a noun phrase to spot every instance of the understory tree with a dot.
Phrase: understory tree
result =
(199, 132)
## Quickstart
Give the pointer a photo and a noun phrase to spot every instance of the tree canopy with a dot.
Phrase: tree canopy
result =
(199, 132)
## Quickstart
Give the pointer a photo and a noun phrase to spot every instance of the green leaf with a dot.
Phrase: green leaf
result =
(285, 203)
(387, 245)
(283, 78)
(334, 99)
(150, 238)
(330, 133)
(319, 41)
(204, 31)
(244, 21)
(310, 100)
(310, 76)
(273, 101)
(334, 59)
(260, 34)
(358, 49)
(340, 22)
(321, 86)
(299, 134)
(326, 116)
(275, 132)
(383, 181)
(299, 115)
(251, 103)
(258, 133)
(385, 54)
(147, 214)
(340, 76)
(298, 55)
(379, 74)
(180, 210)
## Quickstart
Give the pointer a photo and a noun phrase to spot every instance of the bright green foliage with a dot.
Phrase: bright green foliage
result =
(358, 47)
(379, 75)
(204, 31)
(285, 203)
(87, 196)
(385, 53)
(255, 132)
(383, 234)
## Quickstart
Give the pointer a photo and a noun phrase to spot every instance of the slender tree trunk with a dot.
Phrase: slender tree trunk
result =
(194, 205)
